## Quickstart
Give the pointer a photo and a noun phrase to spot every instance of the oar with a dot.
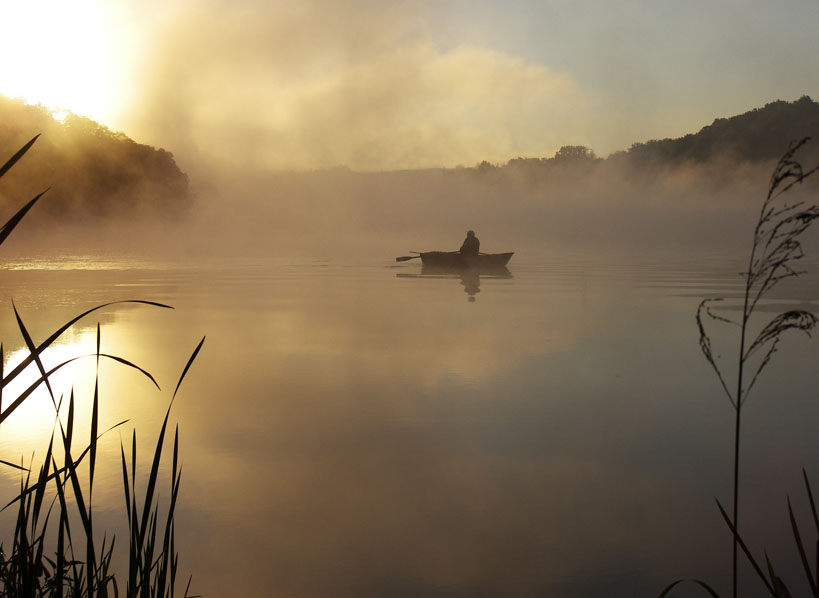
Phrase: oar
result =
(404, 258)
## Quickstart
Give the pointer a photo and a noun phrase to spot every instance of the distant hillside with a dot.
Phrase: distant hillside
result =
(761, 134)
(91, 170)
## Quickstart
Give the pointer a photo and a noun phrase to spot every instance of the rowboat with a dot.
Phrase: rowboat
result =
(458, 260)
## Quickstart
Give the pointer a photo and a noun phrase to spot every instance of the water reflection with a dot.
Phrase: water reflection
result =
(33, 420)
(546, 442)
(470, 278)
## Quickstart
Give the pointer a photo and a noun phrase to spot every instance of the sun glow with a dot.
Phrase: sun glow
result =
(62, 55)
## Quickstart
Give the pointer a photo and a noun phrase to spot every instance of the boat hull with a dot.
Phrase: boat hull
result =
(457, 260)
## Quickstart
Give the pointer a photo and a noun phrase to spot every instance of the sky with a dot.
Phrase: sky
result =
(400, 84)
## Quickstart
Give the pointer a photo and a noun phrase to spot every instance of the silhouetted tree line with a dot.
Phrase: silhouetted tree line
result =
(91, 170)
(762, 134)
(568, 155)
(759, 135)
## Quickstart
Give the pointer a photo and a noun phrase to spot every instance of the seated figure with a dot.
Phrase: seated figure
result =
(471, 245)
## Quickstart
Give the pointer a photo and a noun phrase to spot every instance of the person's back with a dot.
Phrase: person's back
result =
(471, 245)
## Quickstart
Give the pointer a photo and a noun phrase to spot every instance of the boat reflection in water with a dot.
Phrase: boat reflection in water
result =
(470, 278)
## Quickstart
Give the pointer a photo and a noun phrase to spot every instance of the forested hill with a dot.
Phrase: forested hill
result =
(761, 134)
(91, 171)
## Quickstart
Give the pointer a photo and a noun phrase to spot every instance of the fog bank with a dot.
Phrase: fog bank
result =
(603, 205)
(340, 214)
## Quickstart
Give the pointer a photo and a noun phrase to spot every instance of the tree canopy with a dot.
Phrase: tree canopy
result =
(762, 134)
(91, 170)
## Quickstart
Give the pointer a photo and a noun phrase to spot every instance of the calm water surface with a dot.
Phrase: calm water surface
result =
(367, 429)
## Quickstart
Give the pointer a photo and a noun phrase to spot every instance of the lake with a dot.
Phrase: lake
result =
(364, 428)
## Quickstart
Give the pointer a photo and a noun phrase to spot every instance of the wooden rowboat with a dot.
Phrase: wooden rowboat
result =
(455, 259)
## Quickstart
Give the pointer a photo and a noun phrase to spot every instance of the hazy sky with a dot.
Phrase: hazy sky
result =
(383, 84)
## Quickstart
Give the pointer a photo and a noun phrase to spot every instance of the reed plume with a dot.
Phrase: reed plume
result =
(775, 251)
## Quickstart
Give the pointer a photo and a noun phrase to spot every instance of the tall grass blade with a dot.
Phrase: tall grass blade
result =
(42, 480)
(779, 586)
(125, 483)
(702, 584)
(815, 518)
(21, 543)
(9, 226)
(90, 556)
(152, 478)
(60, 565)
(146, 535)
(134, 555)
(20, 153)
(168, 539)
(77, 488)
(174, 567)
(68, 433)
(175, 461)
(58, 472)
(187, 367)
(148, 562)
(35, 355)
(94, 421)
(22, 396)
(40, 542)
(60, 485)
(33, 387)
(14, 465)
(130, 364)
(801, 548)
(188, 589)
(56, 334)
(810, 500)
(747, 552)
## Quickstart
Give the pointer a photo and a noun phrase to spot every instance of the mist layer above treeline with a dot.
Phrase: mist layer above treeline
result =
(90, 171)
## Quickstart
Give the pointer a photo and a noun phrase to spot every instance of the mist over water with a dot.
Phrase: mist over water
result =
(683, 195)
(372, 216)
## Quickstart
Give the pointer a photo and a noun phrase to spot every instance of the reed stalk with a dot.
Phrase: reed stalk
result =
(775, 248)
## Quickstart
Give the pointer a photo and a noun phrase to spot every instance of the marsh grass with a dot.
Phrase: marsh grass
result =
(55, 550)
(775, 252)
(764, 568)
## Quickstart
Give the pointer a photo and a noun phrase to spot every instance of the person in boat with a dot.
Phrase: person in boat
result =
(471, 245)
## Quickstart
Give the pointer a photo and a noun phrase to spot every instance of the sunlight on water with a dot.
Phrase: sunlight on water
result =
(33, 420)
(77, 262)
(127, 396)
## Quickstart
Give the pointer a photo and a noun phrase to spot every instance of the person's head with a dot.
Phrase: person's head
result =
(470, 233)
